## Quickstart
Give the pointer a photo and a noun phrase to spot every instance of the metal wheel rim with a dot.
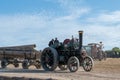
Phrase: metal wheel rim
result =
(73, 64)
(87, 64)
(25, 64)
(3, 64)
(49, 59)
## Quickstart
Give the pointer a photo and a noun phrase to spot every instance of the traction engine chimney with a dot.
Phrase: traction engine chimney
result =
(80, 39)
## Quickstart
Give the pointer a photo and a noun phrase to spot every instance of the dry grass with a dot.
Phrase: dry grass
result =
(103, 70)
(110, 65)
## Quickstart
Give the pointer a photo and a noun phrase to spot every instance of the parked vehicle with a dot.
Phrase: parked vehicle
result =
(94, 51)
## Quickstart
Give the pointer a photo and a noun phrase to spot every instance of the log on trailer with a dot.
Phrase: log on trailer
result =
(26, 54)
(25, 51)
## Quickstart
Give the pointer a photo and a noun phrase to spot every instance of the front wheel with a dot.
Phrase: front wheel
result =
(88, 63)
(73, 64)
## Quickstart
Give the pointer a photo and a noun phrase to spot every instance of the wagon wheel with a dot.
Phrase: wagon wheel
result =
(88, 63)
(73, 64)
(62, 67)
(99, 55)
(16, 65)
(38, 65)
(4, 63)
(49, 59)
(25, 64)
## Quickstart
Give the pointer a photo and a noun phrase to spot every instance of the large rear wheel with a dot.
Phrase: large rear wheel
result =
(73, 64)
(88, 63)
(49, 59)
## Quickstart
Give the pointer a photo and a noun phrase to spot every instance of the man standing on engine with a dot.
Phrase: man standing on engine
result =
(100, 46)
(56, 43)
(51, 42)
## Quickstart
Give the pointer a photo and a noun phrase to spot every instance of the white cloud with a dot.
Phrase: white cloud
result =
(70, 9)
(105, 27)
(108, 17)
(40, 28)
(108, 35)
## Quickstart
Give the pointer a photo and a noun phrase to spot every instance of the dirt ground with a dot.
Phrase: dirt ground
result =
(103, 70)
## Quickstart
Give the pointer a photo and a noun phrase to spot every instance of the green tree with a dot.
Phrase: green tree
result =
(116, 49)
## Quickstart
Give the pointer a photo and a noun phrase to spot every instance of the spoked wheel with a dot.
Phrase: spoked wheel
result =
(73, 64)
(38, 65)
(99, 55)
(62, 67)
(16, 65)
(25, 64)
(4, 63)
(88, 63)
(49, 59)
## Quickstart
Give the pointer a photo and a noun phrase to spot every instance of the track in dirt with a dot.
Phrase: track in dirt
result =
(103, 70)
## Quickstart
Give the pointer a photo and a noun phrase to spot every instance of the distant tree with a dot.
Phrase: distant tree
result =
(116, 51)
(109, 53)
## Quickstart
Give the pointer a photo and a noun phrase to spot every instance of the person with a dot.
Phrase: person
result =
(51, 42)
(100, 51)
(56, 42)
(100, 45)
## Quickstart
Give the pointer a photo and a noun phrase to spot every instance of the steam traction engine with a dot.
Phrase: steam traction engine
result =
(65, 55)
(97, 52)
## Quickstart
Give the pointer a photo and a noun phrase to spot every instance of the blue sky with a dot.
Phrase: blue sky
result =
(38, 21)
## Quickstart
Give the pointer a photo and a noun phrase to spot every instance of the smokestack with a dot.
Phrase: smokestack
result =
(80, 39)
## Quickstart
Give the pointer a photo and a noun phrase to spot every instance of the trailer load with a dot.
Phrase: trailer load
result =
(25, 54)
